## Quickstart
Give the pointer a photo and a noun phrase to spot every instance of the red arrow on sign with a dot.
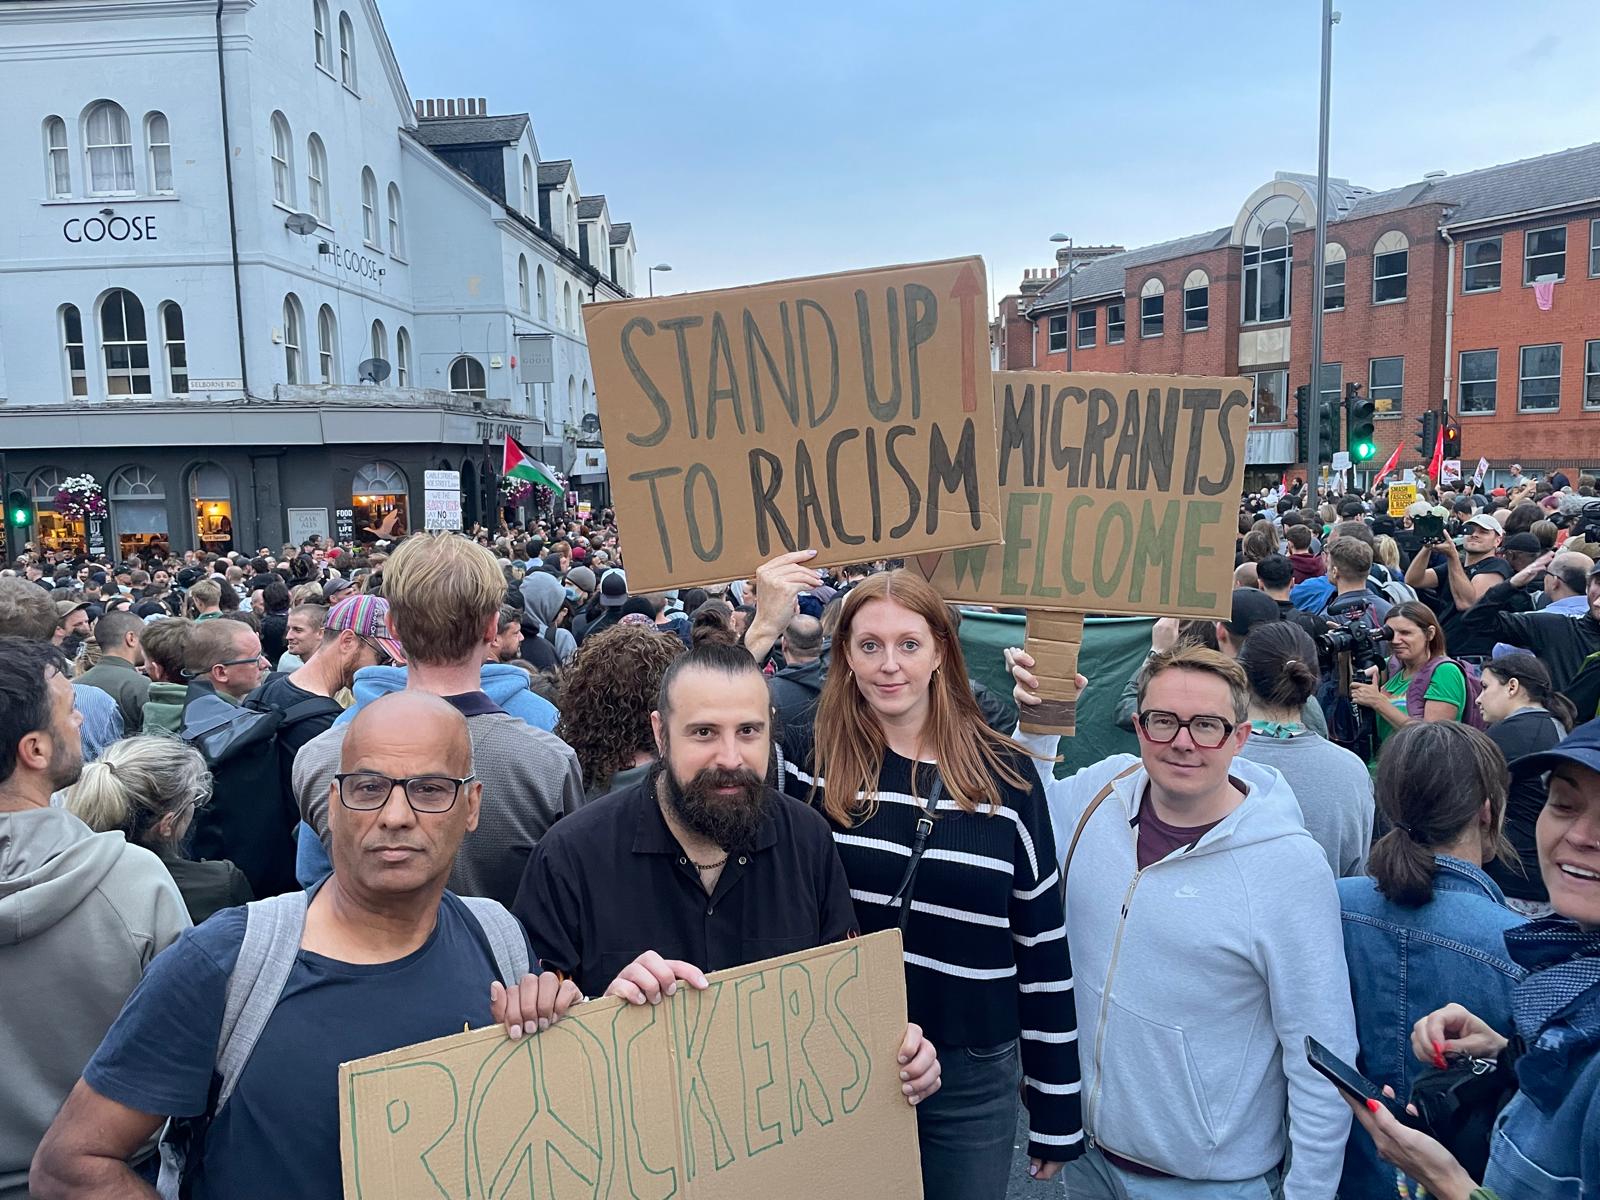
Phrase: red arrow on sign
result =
(967, 289)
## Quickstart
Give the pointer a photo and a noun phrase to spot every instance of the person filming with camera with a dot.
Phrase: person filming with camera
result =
(1419, 653)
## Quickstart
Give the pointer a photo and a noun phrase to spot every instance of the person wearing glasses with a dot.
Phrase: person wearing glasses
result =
(148, 788)
(1206, 946)
(386, 958)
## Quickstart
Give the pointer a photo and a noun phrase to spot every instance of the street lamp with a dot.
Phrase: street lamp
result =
(650, 275)
(1072, 267)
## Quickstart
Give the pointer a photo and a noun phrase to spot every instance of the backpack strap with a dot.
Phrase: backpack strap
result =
(273, 929)
(1099, 799)
(507, 941)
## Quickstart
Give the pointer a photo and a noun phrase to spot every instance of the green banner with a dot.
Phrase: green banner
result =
(1113, 648)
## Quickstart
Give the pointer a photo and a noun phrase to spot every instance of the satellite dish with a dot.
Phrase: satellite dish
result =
(373, 370)
(590, 423)
(301, 223)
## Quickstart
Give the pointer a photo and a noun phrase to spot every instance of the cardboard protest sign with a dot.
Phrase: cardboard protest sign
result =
(1118, 494)
(1401, 497)
(781, 1072)
(844, 413)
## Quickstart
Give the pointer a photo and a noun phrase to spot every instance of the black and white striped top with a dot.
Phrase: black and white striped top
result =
(985, 946)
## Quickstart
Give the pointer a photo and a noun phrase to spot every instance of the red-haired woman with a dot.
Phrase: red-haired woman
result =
(899, 738)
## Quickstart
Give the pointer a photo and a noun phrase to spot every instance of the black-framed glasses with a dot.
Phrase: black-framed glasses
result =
(1206, 732)
(367, 791)
(385, 659)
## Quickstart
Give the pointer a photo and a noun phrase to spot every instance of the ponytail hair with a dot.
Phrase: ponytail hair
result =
(1434, 778)
(1280, 660)
(1534, 677)
(135, 783)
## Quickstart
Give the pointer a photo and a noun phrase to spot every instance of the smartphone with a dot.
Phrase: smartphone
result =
(1430, 527)
(1353, 1083)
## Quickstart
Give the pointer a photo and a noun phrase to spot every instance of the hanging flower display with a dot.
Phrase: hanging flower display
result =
(79, 498)
(513, 490)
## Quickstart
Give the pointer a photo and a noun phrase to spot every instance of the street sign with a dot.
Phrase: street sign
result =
(441, 500)
(306, 523)
(536, 358)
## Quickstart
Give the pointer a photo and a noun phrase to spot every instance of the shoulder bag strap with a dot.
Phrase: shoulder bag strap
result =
(273, 929)
(506, 939)
(1099, 799)
(919, 843)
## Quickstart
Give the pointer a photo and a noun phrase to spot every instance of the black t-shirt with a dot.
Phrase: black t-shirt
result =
(1461, 642)
(1525, 732)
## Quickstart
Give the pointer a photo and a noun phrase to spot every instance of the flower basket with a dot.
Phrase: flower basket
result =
(79, 498)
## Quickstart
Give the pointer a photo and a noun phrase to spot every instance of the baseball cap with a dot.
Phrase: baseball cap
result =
(1581, 746)
(1251, 607)
(1486, 521)
(336, 585)
(66, 607)
(1499, 491)
(1523, 543)
(368, 617)
(613, 590)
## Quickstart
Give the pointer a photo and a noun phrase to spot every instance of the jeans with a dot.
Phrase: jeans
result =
(1093, 1178)
(966, 1129)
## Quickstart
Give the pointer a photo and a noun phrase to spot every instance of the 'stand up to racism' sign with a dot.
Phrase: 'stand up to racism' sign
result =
(849, 414)
(779, 1079)
(1118, 494)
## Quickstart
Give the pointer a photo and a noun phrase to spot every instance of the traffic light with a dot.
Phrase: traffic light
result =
(1302, 424)
(1427, 435)
(1328, 413)
(1359, 410)
(19, 510)
(1452, 440)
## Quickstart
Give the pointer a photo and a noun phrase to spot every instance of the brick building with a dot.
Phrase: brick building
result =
(1429, 301)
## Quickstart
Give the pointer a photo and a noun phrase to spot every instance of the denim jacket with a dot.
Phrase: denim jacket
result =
(1407, 962)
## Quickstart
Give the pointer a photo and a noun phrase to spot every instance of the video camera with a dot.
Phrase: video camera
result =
(1586, 524)
(1351, 637)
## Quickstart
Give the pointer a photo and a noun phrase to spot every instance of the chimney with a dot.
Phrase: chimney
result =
(483, 106)
(461, 106)
(419, 108)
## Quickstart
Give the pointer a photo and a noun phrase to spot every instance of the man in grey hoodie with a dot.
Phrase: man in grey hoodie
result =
(542, 597)
(81, 913)
(1206, 945)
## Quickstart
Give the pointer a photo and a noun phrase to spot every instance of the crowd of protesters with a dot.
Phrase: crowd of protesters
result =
(263, 815)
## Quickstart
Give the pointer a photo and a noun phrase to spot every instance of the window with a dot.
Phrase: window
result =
(317, 178)
(1116, 322)
(522, 282)
(467, 378)
(402, 357)
(397, 237)
(1058, 334)
(1152, 309)
(380, 342)
(1591, 374)
(1539, 382)
(566, 303)
(1268, 406)
(1544, 254)
(125, 344)
(177, 349)
(1086, 321)
(572, 224)
(1196, 301)
(530, 195)
(327, 346)
(585, 407)
(1332, 389)
(282, 161)
(1390, 262)
(572, 400)
(158, 151)
(347, 52)
(58, 159)
(1386, 379)
(293, 338)
(1478, 375)
(369, 207)
(108, 146)
(1269, 258)
(1480, 263)
(319, 20)
(544, 307)
(1594, 246)
(72, 353)
(1333, 278)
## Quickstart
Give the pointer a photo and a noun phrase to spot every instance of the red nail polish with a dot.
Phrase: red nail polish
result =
(1373, 1105)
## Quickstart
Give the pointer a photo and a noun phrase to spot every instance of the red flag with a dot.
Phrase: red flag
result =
(1394, 461)
(1437, 461)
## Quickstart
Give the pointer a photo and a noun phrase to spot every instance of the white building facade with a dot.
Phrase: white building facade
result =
(256, 291)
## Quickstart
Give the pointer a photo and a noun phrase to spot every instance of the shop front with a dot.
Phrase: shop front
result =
(54, 531)
(139, 514)
(379, 496)
(211, 502)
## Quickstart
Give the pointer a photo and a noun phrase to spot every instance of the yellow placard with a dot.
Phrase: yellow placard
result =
(1401, 497)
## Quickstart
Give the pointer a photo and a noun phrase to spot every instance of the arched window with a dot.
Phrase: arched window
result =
(530, 195)
(1196, 301)
(75, 363)
(317, 178)
(1333, 260)
(108, 147)
(522, 282)
(585, 407)
(319, 19)
(294, 325)
(380, 341)
(572, 400)
(1152, 308)
(379, 479)
(125, 344)
(402, 357)
(397, 240)
(58, 159)
(48, 482)
(327, 345)
(566, 304)
(544, 305)
(467, 378)
(572, 224)
(347, 52)
(175, 349)
(1390, 265)
(158, 152)
(138, 509)
(282, 161)
(369, 206)
(1269, 258)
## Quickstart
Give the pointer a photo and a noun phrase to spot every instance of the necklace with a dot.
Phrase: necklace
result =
(709, 866)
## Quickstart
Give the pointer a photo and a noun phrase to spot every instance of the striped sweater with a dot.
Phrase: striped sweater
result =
(985, 946)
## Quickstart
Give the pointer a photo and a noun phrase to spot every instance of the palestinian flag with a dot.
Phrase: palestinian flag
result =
(518, 465)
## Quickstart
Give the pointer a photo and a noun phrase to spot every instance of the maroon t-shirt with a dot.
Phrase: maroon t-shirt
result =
(1157, 839)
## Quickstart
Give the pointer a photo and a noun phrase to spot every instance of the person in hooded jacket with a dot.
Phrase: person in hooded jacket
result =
(81, 913)
(542, 598)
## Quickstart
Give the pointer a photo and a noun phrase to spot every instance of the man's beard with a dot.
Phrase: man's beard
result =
(731, 821)
(71, 644)
(66, 765)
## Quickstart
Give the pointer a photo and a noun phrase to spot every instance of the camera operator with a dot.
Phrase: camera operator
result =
(1418, 641)
(1452, 580)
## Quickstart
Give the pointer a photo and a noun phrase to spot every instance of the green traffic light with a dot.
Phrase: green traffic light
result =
(19, 516)
(1364, 451)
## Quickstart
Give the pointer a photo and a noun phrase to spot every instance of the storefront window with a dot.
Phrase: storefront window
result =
(139, 513)
(211, 498)
(378, 497)
(53, 530)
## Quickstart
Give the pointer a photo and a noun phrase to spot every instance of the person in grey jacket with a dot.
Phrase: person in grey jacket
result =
(542, 596)
(81, 913)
